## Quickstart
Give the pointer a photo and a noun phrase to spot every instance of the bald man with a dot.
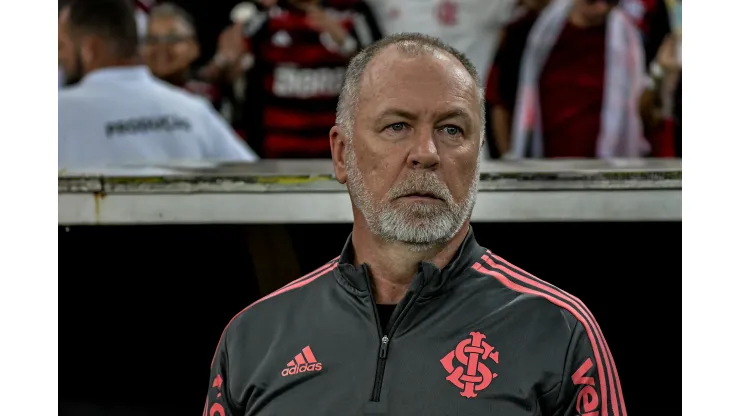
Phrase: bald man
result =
(414, 317)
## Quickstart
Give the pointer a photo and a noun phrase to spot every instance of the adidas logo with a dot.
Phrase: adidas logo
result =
(303, 362)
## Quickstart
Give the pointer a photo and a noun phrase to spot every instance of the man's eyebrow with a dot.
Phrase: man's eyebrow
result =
(397, 112)
(455, 113)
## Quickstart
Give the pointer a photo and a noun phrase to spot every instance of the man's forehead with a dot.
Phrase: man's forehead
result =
(393, 57)
(174, 23)
(392, 70)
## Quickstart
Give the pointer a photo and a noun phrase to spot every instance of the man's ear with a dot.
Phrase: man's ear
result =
(338, 143)
(91, 48)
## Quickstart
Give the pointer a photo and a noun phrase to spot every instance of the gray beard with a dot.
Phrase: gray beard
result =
(419, 226)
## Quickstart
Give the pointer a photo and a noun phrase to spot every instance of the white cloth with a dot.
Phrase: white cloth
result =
(118, 116)
(141, 14)
(142, 22)
(470, 26)
(621, 133)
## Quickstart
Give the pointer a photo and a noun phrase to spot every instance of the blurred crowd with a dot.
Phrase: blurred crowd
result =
(564, 78)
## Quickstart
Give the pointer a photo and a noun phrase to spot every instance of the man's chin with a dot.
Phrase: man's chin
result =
(423, 242)
(423, 213)
(418, 227)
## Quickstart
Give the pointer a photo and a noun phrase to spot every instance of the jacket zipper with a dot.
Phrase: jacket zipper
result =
(385, 340)
(380, 368)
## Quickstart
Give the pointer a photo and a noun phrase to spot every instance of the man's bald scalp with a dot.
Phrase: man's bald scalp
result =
(410, 44)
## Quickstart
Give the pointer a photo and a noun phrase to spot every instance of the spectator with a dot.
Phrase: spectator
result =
(580, 84)
(651, 18)
(171, 47)
(657, 106)
(669, 59)
(501, 96)
(300, 50)
(667, 74)
(119, 113)
(677, 112)
(659, 38)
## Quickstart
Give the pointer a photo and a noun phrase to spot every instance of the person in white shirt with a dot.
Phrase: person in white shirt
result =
(141, 14)
(118, 113)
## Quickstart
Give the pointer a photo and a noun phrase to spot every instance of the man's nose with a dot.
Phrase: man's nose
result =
(424, 153)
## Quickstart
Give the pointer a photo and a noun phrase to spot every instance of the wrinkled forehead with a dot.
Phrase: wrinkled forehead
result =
(424, 81)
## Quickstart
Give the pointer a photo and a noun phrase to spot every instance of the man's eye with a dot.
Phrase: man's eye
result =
(397, 126)
(452, 130)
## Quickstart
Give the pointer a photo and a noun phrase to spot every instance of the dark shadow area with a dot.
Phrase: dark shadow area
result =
(142, 308)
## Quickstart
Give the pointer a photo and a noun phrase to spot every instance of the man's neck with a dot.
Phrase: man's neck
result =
(393, 265)
(116, 63)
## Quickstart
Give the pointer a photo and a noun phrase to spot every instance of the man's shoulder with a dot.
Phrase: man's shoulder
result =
(73, 94)
(535, 294)
(77, 101)
(284, 300)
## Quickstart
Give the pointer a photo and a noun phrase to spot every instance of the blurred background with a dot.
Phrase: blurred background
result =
(266, 65)
(144, 305)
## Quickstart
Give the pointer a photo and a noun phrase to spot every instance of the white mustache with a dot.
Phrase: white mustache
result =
(424, 184)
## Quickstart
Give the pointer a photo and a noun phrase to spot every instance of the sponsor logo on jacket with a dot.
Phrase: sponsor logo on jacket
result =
(304, 362)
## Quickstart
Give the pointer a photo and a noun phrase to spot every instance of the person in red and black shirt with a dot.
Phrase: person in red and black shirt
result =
(300, 50)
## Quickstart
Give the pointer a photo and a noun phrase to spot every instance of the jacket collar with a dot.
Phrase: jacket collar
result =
(429, 278)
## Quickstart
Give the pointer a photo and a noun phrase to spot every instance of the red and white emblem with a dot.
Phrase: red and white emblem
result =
(472, 374)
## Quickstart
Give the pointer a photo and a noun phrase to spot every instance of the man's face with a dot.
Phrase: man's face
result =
(170, 46)
(413, 161)
(69, 54)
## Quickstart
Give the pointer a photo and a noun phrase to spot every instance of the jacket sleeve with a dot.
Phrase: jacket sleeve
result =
(590, 381)
(219, 401)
